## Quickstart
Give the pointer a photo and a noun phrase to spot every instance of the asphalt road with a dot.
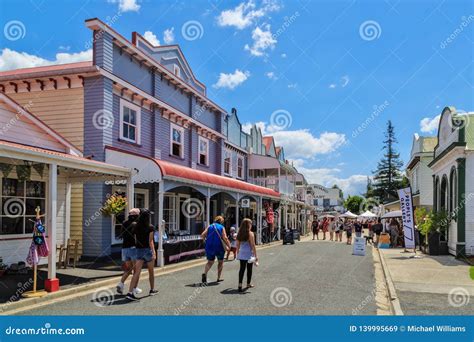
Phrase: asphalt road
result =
(308, 278)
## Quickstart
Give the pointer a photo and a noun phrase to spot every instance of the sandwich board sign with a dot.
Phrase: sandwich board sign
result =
(358, 246)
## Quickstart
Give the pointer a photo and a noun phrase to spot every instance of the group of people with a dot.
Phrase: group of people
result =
(139, 249)
(240, 243)
(337, 226)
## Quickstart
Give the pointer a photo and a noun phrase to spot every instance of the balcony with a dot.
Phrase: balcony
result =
(283, 186)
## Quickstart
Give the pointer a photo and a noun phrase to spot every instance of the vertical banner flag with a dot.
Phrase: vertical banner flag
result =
(406, 205)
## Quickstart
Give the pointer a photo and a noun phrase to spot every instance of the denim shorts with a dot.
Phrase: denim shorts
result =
(213, 255)
(129, 254)
(144, 254)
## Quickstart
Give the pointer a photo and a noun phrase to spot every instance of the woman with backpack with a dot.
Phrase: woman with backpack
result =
(216, 245)
(246, 252)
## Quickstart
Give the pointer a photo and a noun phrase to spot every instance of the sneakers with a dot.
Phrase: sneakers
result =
(153, 292)
(119, 288)
(131, 296)
(137, 290)
(204, 278)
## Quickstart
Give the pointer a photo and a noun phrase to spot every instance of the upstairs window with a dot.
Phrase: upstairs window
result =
(203, 151)
(240, 167)
(227, 162)
(177, 140)
(129, 122)
(176, 70)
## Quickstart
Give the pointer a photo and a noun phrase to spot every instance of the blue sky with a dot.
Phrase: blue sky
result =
(322, 76)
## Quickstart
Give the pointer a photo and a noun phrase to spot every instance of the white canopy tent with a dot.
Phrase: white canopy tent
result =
(348, 214)
(367, 214)
(390, 214)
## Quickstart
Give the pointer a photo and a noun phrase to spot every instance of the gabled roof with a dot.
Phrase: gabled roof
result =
(36, 121)
(136, 37)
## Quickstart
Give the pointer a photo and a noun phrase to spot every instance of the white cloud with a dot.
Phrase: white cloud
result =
(352, 185)
(126, 5)
(168, 36)
(429, 125)
(231, 80)
(262, 40)
(303, 144)
(10, 59)
(246, 13)
(152, 38)
(271, 75)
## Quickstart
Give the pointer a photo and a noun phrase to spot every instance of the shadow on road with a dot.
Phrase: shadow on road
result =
(234, 292)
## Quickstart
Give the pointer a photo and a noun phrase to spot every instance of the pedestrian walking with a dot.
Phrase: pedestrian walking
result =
(348, 228)
(315, 227)
(339, 229)
(216, 245)
(324, 227)
(246, 252)
(146, 254)
(377, 228)
(358, 229)
(332, 228)
(129, 255)
(233, 243)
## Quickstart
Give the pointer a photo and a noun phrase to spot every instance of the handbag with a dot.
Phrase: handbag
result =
(224, 245)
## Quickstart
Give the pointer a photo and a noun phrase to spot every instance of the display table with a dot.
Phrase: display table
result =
(178, 250)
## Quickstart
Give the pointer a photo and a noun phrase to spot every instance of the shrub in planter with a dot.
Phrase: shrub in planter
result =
(434, 226)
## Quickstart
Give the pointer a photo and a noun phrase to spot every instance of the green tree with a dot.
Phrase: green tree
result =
(354, 204)
(369, 191)
(388, 175)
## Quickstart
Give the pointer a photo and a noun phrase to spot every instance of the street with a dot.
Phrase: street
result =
(308, 278)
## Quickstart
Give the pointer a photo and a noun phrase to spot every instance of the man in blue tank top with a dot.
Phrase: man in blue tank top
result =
(216, 245)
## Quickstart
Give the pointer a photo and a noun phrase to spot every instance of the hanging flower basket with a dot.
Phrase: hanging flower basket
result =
(114, 205)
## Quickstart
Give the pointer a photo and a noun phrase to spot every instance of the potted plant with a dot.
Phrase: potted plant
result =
(434, 228)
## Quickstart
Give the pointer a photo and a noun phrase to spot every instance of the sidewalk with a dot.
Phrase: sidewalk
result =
(434, 284)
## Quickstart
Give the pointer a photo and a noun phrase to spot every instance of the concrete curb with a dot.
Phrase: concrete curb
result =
(10, 308)
(393, 298)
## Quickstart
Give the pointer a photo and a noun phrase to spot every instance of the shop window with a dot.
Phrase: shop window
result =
(19, 200)
(203, 151)
(240, 167)
(227, 162)
(129, 122)
(177, 141)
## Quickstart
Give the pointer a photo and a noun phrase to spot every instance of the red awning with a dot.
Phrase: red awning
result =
(174, 170)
